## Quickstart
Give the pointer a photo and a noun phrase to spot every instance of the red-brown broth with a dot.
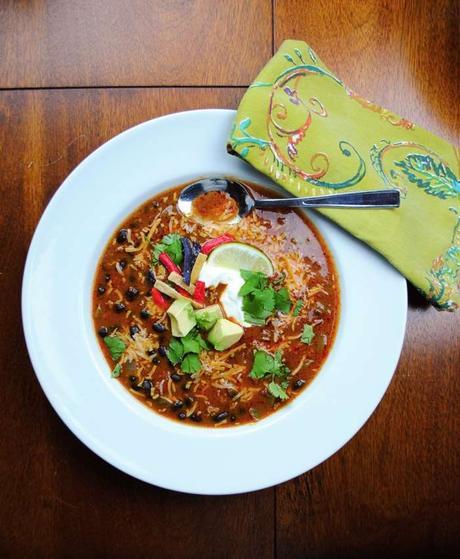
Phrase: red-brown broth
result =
(163, 387)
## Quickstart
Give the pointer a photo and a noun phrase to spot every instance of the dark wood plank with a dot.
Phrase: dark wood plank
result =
(394, 490)
(140, 42)
(402, 54)
(57, 498)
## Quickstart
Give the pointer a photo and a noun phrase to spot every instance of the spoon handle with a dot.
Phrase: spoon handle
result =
(365, 199)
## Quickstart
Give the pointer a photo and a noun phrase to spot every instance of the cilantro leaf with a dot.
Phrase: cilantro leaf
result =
(172, 245)
(260, 303)
(277, 391)
(266, 364)
(253, 320)
(193, 342)
(279, 368)
(175, 351)
(204, 343)
(260, 299)
(297, 308)
(282, 300)
(116, 346)
(116, 371)
(191, 364)
(262, 365)
(307, 334)
(252, 281)
(185, 351)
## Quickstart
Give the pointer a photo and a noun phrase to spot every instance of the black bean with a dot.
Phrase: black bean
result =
(132, 379)
(182, 415)
(155, 361)
(158, 327)
(133, 330)
(188, 401)
(103, 331)
(162, 350)
(122, 264)
(195, 417)
(107, 277)
(131, 293)
(150, 277)
(119, 307)
(147, 385)
(177, 405)
(221, 416)
(151, 352)
(233, 418)
(101, 290)
(122, 236)
(175, 377)
(298, 384)
(144, 314)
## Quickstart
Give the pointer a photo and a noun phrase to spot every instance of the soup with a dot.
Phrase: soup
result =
(212, 323)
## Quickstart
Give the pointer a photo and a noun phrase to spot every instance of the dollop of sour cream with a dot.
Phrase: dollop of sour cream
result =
(231, 302)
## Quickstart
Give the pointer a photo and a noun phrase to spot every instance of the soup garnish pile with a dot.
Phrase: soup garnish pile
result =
(212, 323)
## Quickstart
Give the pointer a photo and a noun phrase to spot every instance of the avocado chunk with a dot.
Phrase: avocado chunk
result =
(224, 334)
(207, 317)
(182, 317)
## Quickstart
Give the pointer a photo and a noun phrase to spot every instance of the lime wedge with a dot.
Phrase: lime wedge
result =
(239, 256)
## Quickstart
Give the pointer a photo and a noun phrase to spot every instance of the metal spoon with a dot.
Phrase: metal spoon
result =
(246, 203)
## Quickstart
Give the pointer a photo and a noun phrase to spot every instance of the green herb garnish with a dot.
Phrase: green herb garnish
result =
(175, 351)
(185, 351)
(116, 371)
(282, 300)
(271, 365)
(172, 245)
(193, 342)
(277, 391)
(297, 308)
(260, 300)
(116, 346)
(265, 364)
(252, 281)
(191, 364)
(307, 334)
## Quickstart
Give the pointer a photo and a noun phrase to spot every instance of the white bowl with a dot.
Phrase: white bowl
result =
(56, 306)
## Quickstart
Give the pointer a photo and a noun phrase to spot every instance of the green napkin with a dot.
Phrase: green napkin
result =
(300, 125)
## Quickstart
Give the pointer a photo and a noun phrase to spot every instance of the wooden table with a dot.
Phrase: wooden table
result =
(74, 74)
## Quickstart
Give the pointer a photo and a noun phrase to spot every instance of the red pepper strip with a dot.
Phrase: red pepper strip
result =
(158, 299)
(182, 291)
(200, 292)
(213, 243)
(168, 263)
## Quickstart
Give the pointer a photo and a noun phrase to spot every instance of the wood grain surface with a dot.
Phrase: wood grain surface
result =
(57, 498)
(136, 42)
(394, 490)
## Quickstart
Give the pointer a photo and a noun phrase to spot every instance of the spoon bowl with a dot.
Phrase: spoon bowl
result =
(370, 199)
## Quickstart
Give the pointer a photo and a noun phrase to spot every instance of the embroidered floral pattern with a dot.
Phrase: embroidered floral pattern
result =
(285, 141)
(304, 128)
(385, 114)
(444, 276)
